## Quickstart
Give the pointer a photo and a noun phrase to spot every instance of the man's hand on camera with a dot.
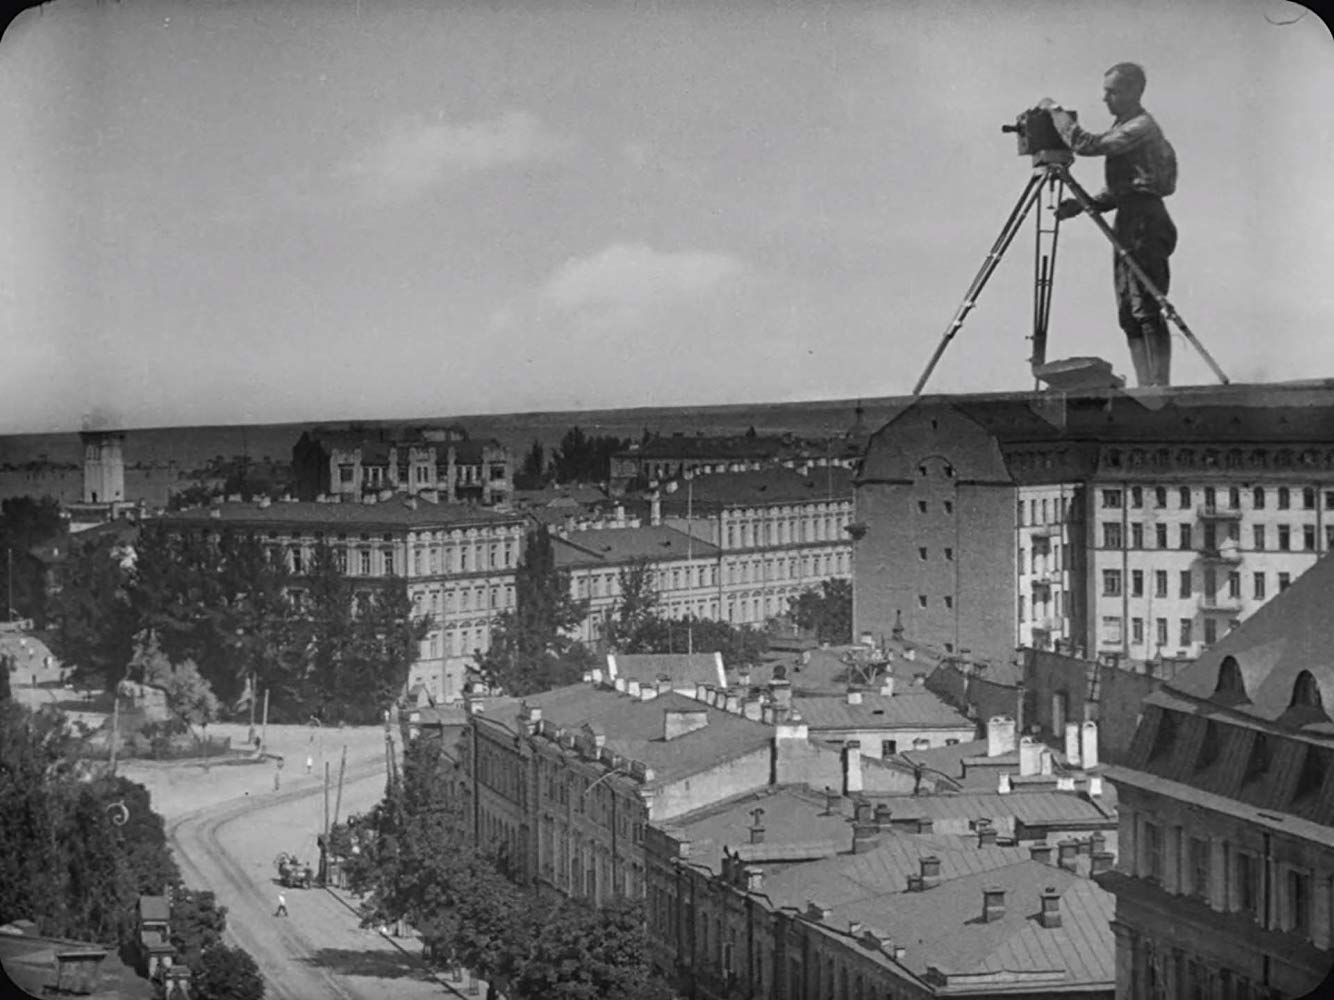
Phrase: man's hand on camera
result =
(1068, 208)
(1047, 104)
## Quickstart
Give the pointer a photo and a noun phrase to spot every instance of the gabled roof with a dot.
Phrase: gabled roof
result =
(911, 708)
(617, 546)
(154, 908)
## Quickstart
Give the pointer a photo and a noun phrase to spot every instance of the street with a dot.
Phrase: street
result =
(229, 844)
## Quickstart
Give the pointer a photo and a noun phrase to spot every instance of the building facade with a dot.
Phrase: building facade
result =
(1103, 524)
(439, 463)
(1225, 885)
(455, 562)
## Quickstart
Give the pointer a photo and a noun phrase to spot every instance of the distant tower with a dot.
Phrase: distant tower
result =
(103, 466)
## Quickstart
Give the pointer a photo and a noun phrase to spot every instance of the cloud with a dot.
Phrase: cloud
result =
(414, 154)
(627, 280)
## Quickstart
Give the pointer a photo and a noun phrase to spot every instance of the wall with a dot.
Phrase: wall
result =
(1119, 696)
(732, 777)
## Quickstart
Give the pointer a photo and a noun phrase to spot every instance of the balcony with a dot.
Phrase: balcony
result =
(1227, 553)
(1046, 531)
(1213, 512)
(1220, 604)
(1048, 625)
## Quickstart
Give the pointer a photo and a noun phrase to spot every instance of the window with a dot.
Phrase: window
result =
(388, 562)
(1210, 498)
(1258, 498)
(1308, 537)
(1111, 535)
(1153, 851)
(1137, 631)
(1258, 536)
(1021, 608)
(949, 555)
(1160, 631)
(298, 559)
(1111, 583)
(1160, 535)
(1199, 867)
(1234, 497)
(1160, 497)
(1306, 692)
(1137, 583)
(1210, 631)
(1234, 585)
(1329, 499)
(921, 600)
(1111, 499)
(1284, 538)
(1329, 537)
(949, 506)
(921, 506)
(1284, 579)
(1187, 629)
(1137, 497)
(1299, 902)
(1112, 630)
(949, 601)
(1184, 589)
(1183, 496)
(1308, 498)
(1248, 883)
(888, 748)
(921, 553)
(345, 473)
(1137, 536)
(1183, 537)
(1160, 584)
(1284, 498)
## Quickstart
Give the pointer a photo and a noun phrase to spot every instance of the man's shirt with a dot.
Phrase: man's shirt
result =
(1140, 160)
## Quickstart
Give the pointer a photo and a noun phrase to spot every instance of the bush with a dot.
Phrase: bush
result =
(227, 974)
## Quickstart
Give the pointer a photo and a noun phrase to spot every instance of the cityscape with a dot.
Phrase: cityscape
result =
(404, 596)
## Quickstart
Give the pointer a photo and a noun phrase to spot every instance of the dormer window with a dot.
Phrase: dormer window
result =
(1306, 693)
(1230, 686)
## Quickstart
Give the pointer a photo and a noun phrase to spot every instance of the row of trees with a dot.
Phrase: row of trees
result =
(26, 523)
(579, 458)
(416, 861)
(339, 654)
(70, 866)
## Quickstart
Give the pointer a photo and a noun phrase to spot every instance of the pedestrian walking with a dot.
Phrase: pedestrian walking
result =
(282, 906)
(310, 762)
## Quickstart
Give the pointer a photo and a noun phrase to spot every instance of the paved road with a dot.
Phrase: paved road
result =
(319, 951)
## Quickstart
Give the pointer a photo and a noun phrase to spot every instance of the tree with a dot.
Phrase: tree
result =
(826, 611)
(531, 649)
(94, 621)
(24, 524)
(226, 974)
(635, 627)
(197, 923)
(583, 459)
(189, 696)
(532, 474)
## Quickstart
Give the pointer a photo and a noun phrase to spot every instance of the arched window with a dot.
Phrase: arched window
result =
(1230, 686)
(1306, 693)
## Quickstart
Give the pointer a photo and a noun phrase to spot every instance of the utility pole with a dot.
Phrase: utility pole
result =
(690, 556)
(251, 738)
(264, 727)
(338, 799)
(326, 802)
(115, 727)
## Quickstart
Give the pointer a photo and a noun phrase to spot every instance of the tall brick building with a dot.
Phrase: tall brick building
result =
(1144, 526)
(1225, 884)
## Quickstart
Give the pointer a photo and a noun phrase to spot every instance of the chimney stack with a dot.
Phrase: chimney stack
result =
(1102, 862)
(993, 904)
(884, 818)
(1088, 744)
(1095, 785)
(854, 695)
(757, 825)
(754, 878)
(1067, 851)
(1000, 735)
(1030, 759)
(831, 801)
(852, 767)
(986, 833)
(1051, 908)
(930, 871)
(1072, 744)
(1040, 852)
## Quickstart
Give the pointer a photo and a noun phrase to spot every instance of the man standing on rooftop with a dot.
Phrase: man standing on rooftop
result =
(1141, 170)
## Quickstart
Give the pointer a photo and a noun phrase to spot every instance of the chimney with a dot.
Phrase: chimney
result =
(1088, 740)
(852, 767)
(816, 912)
(855, 928)
(899, 952)
(1030, 757)
(887, 684)
(884, 818)
(1065, 783)
(647, 692)
(701, 691)
(1072, 744)
(632, 688)
(864, 837)
(732, 703)
(655, 508)
(780, 690)
(1045, 761)
(757, 825)
(754, 878)
(1003, 786)
(986, 833)
(1095, 785)
(679, 721)
(831, 802)
(854, 695)
(620, 684)
(597, 675)
(1102, 862)
(929, 871)
(1097, 842)
(993, 904)
(753, 709)
(1051, 908)
(1066, 853)
(1000, 735)
(1040, 852)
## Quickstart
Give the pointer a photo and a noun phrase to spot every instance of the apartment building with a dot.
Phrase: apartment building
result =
(795, 895)
(777, 532)
(1225, 884)
(1104, 523)
(438, 463)
(569, 780)
(456, 562)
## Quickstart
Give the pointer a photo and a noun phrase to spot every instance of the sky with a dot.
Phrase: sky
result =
(238, 212)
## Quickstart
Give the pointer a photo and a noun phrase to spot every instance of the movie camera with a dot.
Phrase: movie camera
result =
(1037, 134)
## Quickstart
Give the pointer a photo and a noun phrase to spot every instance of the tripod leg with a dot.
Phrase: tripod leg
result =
(1044, 267)
(1125, 256)
(1017, 215)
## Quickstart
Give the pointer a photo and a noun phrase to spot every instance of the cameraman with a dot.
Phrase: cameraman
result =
(1141, 171)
